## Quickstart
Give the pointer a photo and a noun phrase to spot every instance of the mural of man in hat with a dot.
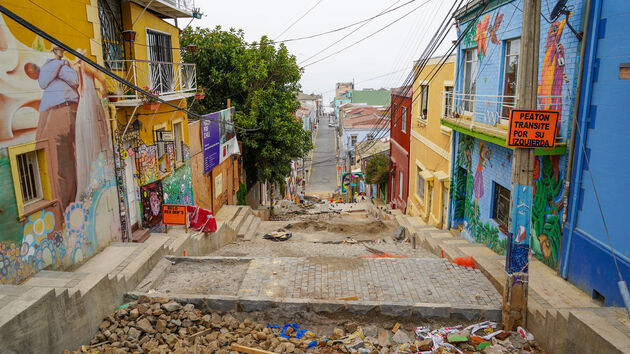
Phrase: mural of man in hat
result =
(58, 110)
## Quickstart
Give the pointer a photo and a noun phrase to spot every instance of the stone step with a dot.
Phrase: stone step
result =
(253, 229)
(242, 229)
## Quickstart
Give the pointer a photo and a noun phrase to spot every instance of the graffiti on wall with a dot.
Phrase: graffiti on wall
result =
(177, 187)
(468, 187)
(546, 229)
(482, 32)
(552, 73)
(147, 164)
(56, 101)
(152, 200)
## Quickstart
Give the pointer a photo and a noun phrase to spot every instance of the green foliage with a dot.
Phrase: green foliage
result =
(377, 170)
(459, 184)
(546, 227)
(241, 195)
(262, 82)
(464, 151)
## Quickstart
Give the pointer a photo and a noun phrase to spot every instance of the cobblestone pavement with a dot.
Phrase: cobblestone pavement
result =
(401, 280)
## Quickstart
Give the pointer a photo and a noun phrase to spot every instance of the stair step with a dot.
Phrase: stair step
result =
(253, 228)
(140, 235)
(242, 230)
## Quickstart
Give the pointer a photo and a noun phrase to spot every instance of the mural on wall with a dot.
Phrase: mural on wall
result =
(482, 32)
(552, 73)
(147, 164)
(468, 191)
(546, 229)
(49, 96)
(177, 187)
(152, 199)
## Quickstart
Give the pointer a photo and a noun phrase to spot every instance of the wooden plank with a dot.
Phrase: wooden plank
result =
(248, 350)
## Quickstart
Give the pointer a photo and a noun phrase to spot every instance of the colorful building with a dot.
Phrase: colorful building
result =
(60, 201)
(150, 138)
(600, 134)
(485, 92)
(343, 95)
(400, 128)
(430, 143)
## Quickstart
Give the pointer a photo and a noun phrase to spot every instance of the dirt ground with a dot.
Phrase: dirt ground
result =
(220, 278)
(324, 235)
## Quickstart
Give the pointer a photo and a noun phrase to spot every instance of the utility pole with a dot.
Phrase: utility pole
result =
(514, 309)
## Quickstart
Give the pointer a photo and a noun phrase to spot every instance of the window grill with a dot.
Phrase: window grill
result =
(28, 170)
(161, 52)
(111, 33)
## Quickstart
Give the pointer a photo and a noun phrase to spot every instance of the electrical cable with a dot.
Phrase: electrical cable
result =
(298, 20)
(100, 68)
(346, 36)
(368, 36)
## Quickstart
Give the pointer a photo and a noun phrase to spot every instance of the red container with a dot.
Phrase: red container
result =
(199, 218)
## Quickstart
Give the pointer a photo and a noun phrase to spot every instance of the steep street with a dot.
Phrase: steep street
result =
(323, 174)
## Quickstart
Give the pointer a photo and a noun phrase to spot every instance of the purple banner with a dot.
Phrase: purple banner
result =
(210, 139)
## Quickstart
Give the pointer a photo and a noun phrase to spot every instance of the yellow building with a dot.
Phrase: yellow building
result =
(430, 148)
(151, 137)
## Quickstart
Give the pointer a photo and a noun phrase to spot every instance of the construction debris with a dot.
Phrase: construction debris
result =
(159, 325)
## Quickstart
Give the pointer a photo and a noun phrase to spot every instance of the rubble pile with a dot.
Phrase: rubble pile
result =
(159, 325)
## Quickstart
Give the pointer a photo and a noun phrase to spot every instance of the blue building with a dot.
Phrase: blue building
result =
(484, 93)
(601, 135)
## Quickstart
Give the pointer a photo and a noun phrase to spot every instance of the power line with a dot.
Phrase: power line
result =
(296, 21)
(347, 35)
(368, 36)
(98, 67)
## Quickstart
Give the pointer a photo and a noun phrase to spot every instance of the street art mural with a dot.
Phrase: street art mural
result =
(53, 104)
(482, 32)
(546, 229)
(177, 187)
(147, 164)
(152, 200)
(468, 187)
(553, 67)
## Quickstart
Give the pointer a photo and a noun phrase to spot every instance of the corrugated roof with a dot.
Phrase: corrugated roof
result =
(380, 97)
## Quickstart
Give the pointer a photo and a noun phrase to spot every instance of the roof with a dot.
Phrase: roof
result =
(364, 121)
(380, 97)
(373, 148)
(406, 91)
(304, 96)
(436, 60)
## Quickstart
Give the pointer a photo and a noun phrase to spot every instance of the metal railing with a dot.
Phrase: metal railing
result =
(493, 110)
(186, 5)
(163, 78)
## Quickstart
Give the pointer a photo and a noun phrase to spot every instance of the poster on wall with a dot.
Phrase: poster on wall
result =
(229, 144)
(210, 135)
(218, 185)
(151, 196)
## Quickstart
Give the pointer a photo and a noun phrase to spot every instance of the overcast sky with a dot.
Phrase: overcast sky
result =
(392, 49)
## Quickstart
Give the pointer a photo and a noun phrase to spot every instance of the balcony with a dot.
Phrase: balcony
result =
(170, 8)
(488, 116)
(173, 81)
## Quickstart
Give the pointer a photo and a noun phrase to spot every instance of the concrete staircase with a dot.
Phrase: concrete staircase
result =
(562, 318)
(57, 310)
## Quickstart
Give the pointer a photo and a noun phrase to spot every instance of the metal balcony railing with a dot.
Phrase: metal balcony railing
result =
(170, 80)
(492, 111)
(186, 5)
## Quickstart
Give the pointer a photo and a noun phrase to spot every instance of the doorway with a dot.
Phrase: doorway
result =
(132, 189)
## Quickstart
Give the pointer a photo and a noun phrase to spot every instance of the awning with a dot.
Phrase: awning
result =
(441, 176)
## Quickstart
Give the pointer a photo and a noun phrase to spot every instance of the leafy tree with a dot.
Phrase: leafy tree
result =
(262, 82)
(377, 170)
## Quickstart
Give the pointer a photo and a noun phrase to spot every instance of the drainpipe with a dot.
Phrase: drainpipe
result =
(576, 109)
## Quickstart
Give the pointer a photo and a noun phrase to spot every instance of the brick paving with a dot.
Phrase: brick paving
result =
(404, 281)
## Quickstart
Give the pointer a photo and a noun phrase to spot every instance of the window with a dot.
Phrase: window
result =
(501, 208)
(109, 15)
(395, 113)
(424, 101)
(510, 76)
(161, 154)
(161, 57)
(177, 132)
(420, 185)
(448, 101)
(28, 174)
(353, 140)
(470, 73)
(403, 120)
(400, 185)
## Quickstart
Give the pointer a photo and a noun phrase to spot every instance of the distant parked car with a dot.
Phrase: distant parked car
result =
(331, 124)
